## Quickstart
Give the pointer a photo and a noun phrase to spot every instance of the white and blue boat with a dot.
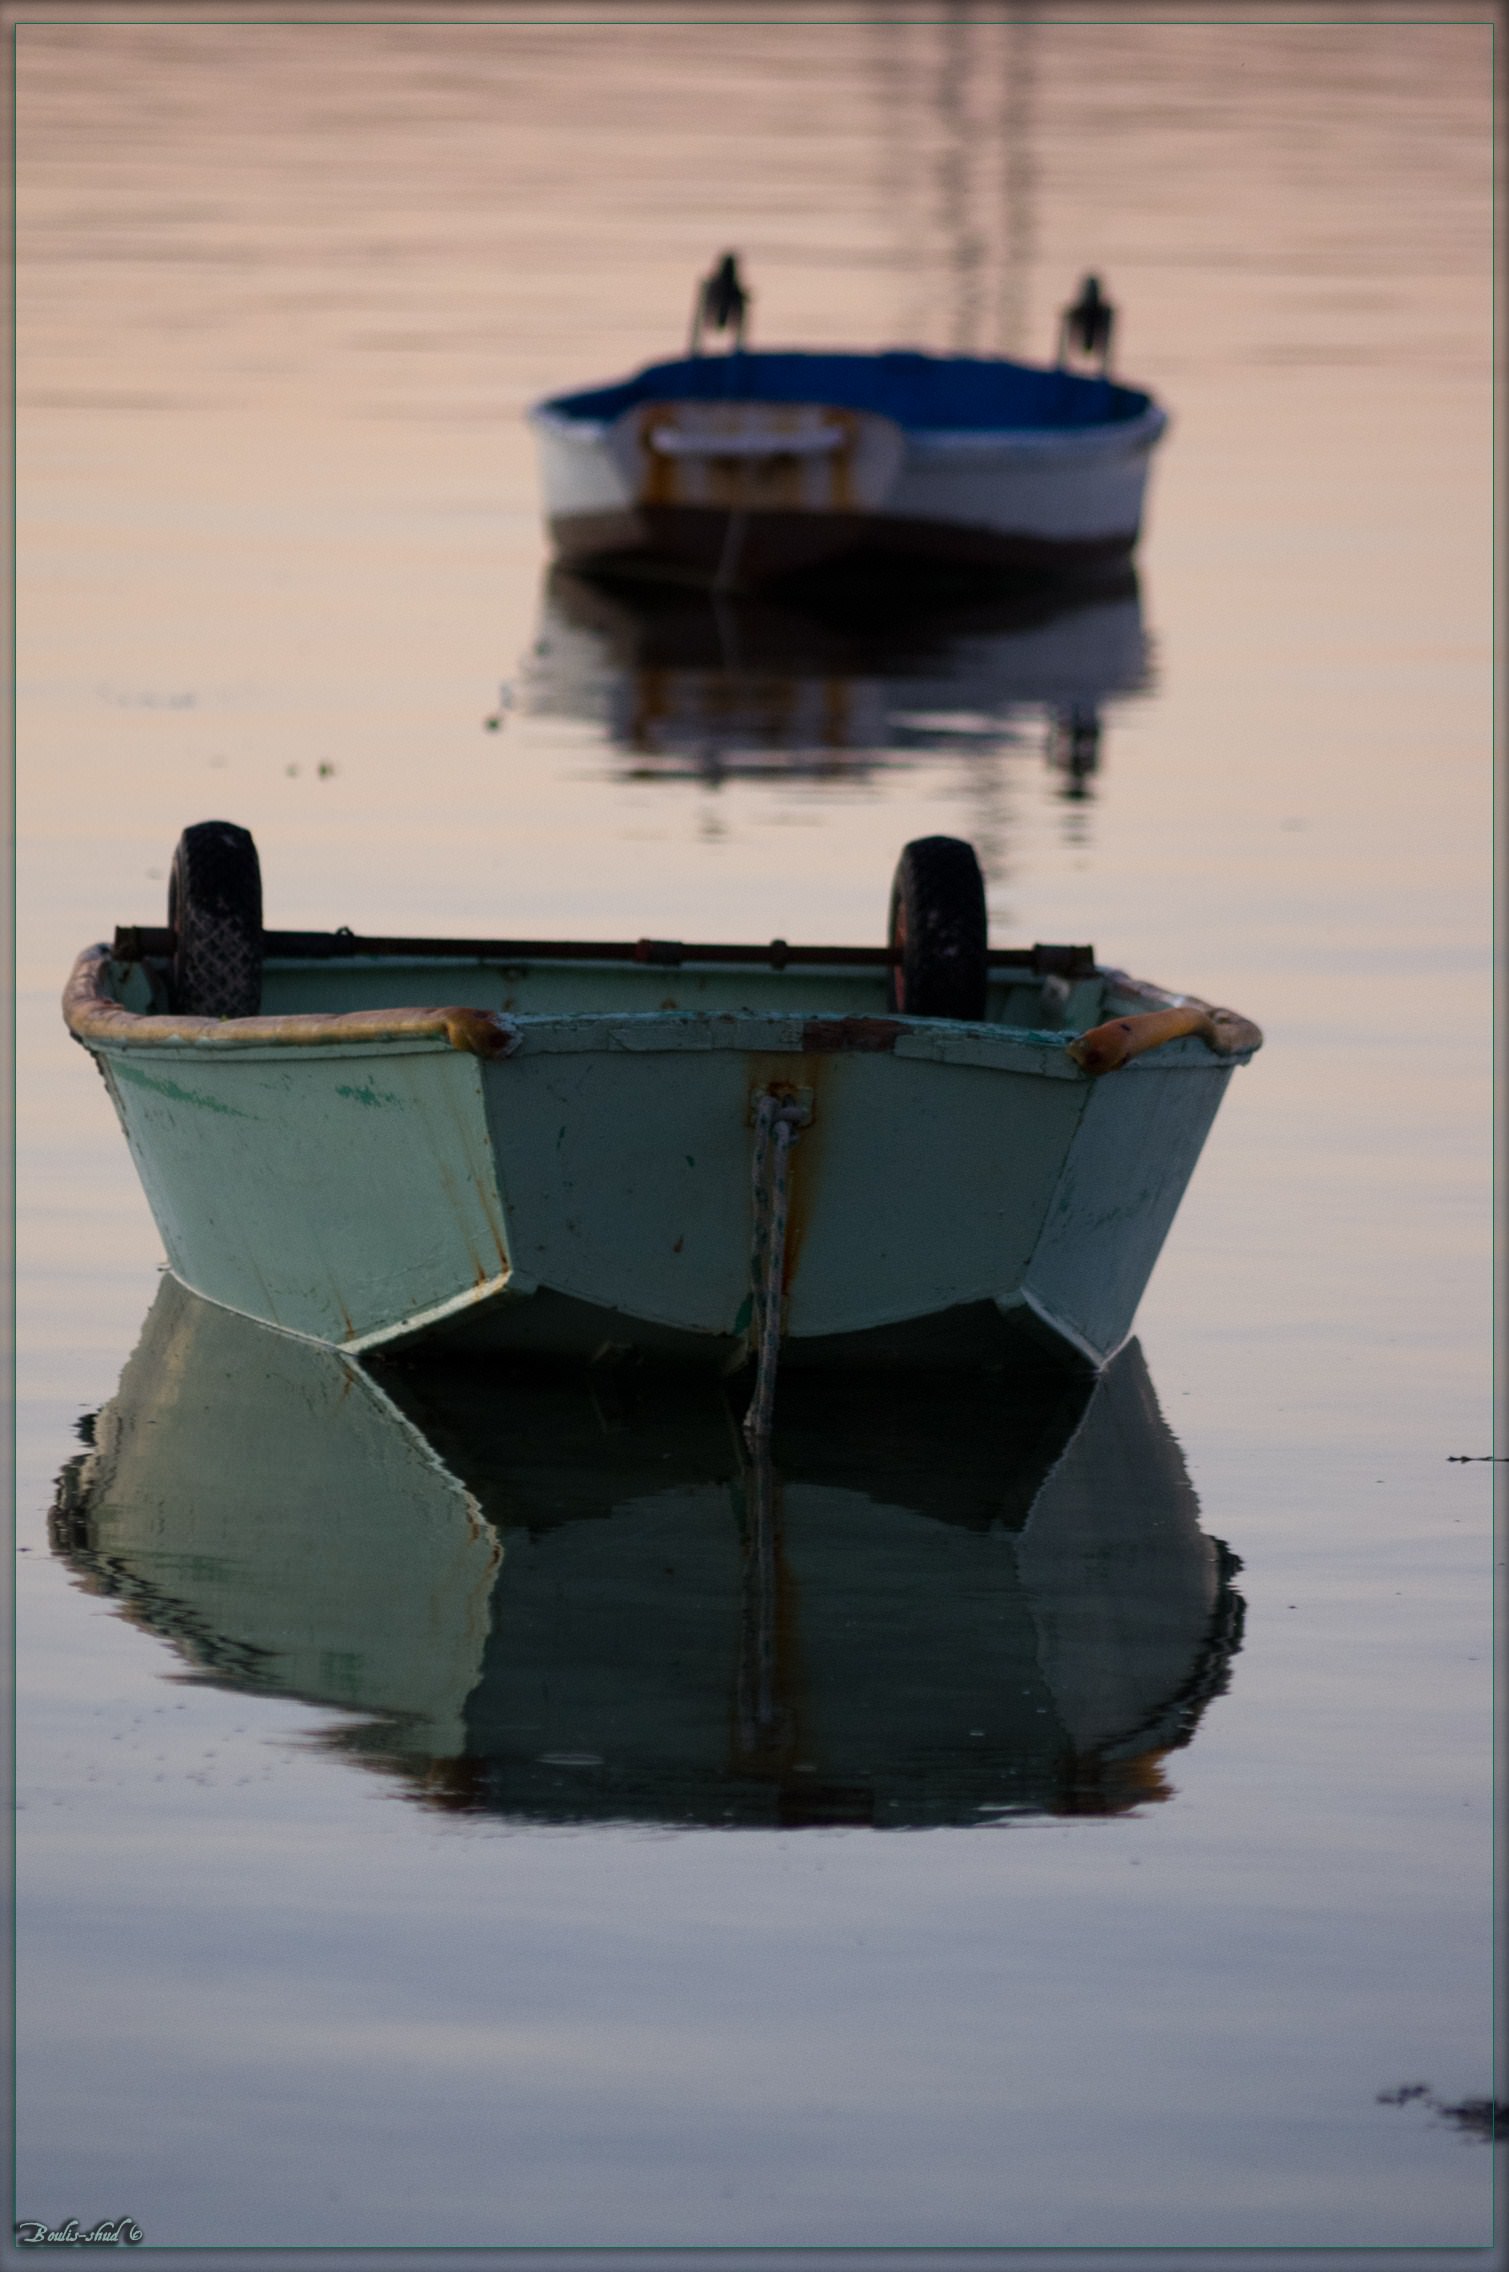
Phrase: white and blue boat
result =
(747, 467)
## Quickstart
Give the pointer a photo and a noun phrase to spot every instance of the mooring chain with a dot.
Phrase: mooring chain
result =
(777, 1120)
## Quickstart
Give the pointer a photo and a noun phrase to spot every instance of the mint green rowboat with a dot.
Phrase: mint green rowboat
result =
(574, 1149)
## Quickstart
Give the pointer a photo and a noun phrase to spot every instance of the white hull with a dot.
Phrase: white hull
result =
(1032, 499)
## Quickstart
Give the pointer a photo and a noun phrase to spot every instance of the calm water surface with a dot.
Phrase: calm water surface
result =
(437, 1827)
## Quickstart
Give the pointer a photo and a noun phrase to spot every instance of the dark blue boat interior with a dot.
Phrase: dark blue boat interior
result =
(957, 393)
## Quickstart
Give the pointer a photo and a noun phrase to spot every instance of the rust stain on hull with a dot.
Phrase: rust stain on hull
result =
(729, 456)
(807, 1077)
(807, 1164)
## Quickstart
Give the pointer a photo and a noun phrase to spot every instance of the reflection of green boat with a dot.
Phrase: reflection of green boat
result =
(256, 1500)
(947, 1610)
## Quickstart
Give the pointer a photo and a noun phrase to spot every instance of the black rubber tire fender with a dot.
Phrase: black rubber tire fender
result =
(215, 916)
(940, 964)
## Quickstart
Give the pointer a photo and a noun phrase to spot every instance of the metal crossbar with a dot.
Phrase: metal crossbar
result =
(135, 941)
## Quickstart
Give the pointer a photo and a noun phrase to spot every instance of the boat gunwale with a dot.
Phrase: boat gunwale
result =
(764, 374)
(1139, 432)
(95, 1017)
(99, 1021)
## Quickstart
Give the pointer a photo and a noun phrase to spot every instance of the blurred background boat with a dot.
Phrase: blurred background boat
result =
(582, 1601)
(741, 469)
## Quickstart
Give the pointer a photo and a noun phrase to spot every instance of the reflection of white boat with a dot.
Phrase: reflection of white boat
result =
(950, 1609)
(742, 468)
(683, 683)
